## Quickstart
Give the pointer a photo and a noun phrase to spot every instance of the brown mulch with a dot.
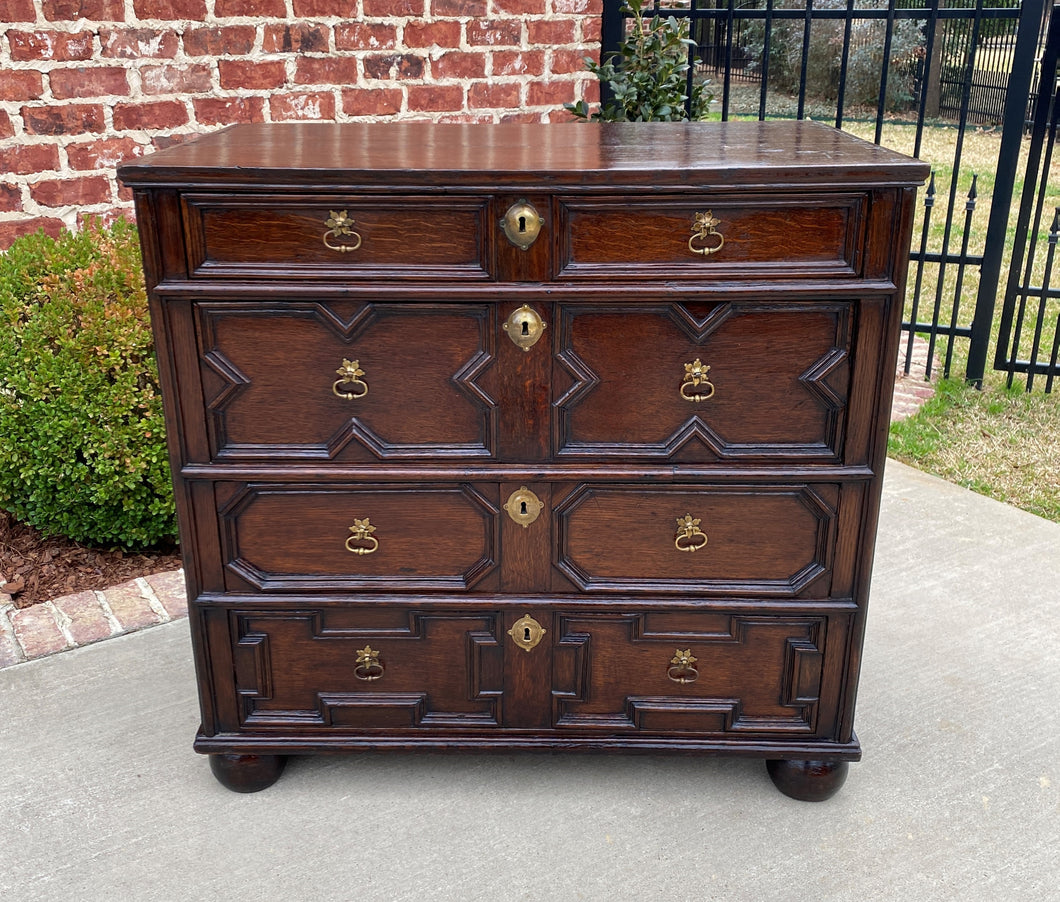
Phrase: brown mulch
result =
(39, 569)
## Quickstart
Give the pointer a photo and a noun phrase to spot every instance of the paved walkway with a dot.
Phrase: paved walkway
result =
(912, 391)
(956, 800)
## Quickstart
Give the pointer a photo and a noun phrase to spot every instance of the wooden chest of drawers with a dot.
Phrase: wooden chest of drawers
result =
(527, 437)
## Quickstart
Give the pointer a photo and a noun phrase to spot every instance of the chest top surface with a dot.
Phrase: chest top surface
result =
(646, 156)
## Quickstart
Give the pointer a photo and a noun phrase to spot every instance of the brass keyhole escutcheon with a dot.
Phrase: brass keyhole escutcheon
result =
(524, 327)
(522, 224)
(526, 632)
(523, 506)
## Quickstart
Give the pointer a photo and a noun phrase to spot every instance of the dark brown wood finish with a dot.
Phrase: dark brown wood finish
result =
(362, 569)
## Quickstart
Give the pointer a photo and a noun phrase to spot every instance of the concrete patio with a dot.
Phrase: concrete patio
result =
(957, 798)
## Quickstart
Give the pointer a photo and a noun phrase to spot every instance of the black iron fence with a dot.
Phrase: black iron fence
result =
(1031, 306)
(952, 82)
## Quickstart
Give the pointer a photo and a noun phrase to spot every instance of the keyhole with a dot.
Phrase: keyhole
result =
(526, 634)
(522, 223)
(526, 327)
(522, 508)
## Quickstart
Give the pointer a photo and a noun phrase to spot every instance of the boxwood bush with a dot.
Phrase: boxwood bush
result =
(82, 442)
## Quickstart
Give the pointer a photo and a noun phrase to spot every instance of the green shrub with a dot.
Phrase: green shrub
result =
(82, 442)
(648, 74)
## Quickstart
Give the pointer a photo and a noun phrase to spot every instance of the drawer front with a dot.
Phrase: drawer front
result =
(337, 237)
(711, 237)
(761, 540)
(281, 381)
(278, 538)
(335, 669)
(708, 382)
(702, 673)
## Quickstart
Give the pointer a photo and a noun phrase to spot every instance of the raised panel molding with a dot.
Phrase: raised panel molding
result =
(825, 382)
(352, 430)
(586, 575)
(580, 702)
(264, 635)
(239, 562)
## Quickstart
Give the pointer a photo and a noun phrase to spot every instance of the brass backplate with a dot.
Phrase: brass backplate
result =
(526, 632)
(523, 506)
(522, 224)
(524, 327)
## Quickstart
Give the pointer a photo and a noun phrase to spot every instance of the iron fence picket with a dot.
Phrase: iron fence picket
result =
(1054, 233)
(963, 261)
(1018, 286)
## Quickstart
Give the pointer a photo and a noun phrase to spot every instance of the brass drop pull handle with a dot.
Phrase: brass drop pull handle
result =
(340, 226)
(524, 327)
(350, 385)
(706, 239)
(522, 224)
(682, 667)
(689, 536)
(361, 540)
(526, 632)
(368, 665)
(697, 385)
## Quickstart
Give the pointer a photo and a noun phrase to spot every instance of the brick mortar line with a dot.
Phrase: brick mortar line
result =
(62, 620)
(7, 631)
(112, 621)
(152, 599)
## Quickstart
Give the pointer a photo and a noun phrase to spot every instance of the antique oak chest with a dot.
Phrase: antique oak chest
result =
(527, 437)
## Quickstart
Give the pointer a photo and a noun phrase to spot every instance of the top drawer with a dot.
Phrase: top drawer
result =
(711, 237)
(345, 237)
(350, 237)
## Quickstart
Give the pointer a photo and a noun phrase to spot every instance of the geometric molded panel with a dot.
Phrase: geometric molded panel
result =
(761, 540)
(268, 372)
(762, 675)
(290, 537)
(444, 670)
(619, 372)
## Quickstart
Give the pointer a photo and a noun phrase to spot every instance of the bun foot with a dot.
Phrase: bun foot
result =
(808, 781)
(247, 773)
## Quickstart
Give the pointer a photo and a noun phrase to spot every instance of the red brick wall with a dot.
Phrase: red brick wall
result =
(85, 84)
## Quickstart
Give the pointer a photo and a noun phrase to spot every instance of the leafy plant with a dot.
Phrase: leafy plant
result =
(648, 75)
(82, 442)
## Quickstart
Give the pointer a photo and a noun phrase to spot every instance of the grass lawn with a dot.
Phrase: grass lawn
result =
(1000, 442)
